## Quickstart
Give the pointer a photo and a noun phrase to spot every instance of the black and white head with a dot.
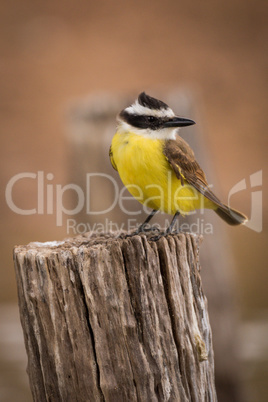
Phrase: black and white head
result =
(152, 118)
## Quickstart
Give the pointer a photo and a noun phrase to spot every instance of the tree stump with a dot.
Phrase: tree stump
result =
(115, 319)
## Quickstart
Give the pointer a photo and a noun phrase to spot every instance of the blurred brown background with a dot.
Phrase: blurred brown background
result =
(53, 54)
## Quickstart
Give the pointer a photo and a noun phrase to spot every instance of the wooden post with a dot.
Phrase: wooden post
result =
(111, 319)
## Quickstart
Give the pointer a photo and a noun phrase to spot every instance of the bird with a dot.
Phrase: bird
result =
(158, 167)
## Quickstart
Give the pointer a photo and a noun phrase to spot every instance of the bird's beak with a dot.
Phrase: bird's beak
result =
(178, 122)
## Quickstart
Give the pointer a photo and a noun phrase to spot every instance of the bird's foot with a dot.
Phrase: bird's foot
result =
(163, 234)
(157, 237)
(150, 229)
(142, 229)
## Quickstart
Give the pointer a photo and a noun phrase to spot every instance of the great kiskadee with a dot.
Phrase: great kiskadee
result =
(158, 167)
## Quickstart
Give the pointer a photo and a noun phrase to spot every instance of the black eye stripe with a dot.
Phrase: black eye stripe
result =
(144, 121)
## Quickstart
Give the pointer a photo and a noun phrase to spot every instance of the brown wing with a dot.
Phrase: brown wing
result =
(182, 160)
(112, 158)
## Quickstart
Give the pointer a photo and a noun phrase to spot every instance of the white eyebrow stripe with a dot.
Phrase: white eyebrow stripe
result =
(140, 110)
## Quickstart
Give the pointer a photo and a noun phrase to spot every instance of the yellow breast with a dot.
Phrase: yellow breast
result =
(145, 171)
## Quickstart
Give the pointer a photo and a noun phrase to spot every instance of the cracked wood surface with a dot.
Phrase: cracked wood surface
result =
(111, 319)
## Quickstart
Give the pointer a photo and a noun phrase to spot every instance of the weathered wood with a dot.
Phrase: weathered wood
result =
(111, 319)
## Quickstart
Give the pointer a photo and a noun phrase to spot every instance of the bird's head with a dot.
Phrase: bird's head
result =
(152, 118)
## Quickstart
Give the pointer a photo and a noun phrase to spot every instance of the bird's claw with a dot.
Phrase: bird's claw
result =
(158, 237)
(163, 234)
(151, 229)
(142, 230)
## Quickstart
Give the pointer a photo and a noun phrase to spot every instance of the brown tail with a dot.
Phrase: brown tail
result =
(231, 216)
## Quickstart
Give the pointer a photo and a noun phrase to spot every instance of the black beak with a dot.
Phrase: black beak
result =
(178, 122)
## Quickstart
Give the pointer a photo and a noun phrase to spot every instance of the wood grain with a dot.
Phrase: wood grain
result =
(115, 319)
